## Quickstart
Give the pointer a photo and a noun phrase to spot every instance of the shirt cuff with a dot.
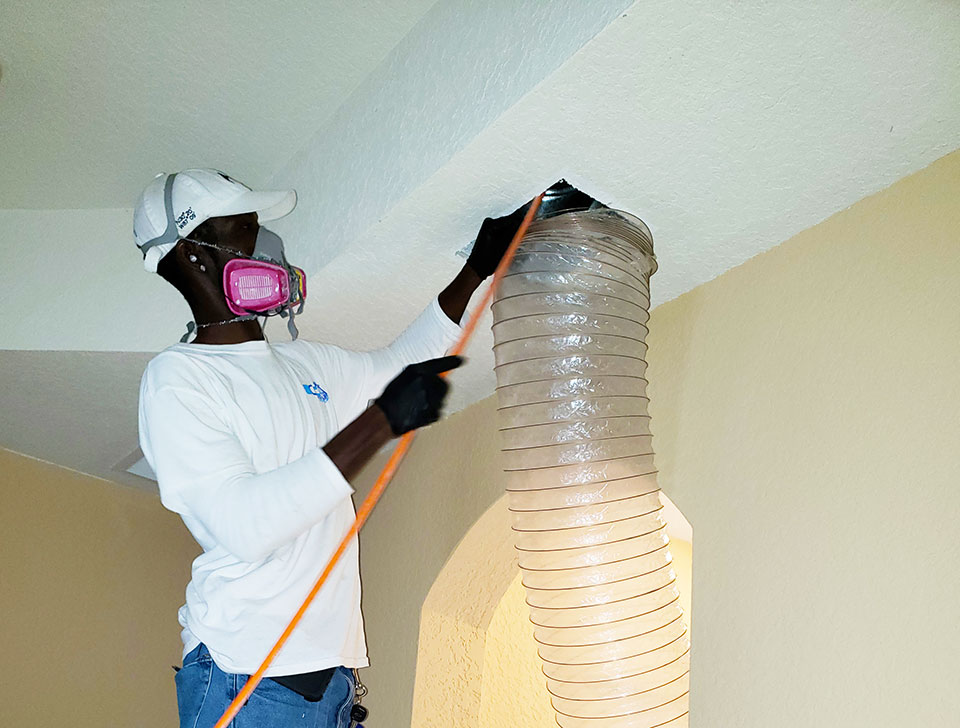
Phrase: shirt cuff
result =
(451, 330)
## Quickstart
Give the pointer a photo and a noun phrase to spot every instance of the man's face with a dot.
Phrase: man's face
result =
(237, 232)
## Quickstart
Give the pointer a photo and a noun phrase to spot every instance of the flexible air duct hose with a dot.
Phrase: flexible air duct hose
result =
(569, 328)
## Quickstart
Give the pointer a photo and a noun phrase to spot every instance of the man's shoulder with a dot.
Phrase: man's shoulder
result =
(316, 351)
(172, 367)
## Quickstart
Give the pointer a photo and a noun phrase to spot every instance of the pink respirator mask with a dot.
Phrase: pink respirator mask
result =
(257, 286)
(262, 285)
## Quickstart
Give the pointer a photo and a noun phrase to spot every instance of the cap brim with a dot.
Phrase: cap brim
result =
(268, 204)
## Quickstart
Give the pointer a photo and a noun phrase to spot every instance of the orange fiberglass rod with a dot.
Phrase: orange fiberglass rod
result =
(386, 475)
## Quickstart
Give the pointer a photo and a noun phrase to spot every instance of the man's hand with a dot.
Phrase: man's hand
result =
(494, 238)
(415, 397)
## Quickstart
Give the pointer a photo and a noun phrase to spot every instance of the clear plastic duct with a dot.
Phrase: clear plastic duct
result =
(569, 330)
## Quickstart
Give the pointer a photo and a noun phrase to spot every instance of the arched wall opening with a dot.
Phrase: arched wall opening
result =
(477, 662)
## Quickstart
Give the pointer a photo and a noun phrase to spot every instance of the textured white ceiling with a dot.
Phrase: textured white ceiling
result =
(75, 409)
(728, 128)
(97, 97)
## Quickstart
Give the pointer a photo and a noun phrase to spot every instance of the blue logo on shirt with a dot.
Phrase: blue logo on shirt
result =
(316, 390)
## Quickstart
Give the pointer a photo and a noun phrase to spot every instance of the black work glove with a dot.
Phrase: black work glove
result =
(415, 397)
(493, 240)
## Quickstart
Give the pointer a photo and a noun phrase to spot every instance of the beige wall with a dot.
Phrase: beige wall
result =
(92, 575)
(805, 408)
(451, 476)
(805, 412)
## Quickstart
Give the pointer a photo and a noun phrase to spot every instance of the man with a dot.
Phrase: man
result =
(254, 445)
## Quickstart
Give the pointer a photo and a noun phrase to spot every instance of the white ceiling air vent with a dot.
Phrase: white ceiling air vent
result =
(136, 464)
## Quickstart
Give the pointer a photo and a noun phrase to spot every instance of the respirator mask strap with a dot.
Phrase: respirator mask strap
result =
(269, 249)
(289, 314)
(193, 326)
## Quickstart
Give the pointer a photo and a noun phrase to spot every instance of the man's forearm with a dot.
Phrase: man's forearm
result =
(356, 443)
(454, 298)
(359, 441)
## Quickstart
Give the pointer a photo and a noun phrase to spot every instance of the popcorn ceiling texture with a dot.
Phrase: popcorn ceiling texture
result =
(96, 98)
(455, 72)
(727, 129)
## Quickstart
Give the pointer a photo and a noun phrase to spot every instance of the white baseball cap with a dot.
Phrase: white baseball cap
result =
(173, 205)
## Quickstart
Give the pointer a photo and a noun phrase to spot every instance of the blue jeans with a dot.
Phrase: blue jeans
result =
(204, 691)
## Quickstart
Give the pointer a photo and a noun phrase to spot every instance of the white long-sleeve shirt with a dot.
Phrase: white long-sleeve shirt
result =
(234, 433)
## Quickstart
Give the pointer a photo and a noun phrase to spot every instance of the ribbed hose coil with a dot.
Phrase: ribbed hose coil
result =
(569, 330)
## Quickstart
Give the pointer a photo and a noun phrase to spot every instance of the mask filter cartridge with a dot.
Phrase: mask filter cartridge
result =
(256, 285)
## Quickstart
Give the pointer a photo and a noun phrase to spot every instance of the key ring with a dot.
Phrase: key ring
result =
(358, 712)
